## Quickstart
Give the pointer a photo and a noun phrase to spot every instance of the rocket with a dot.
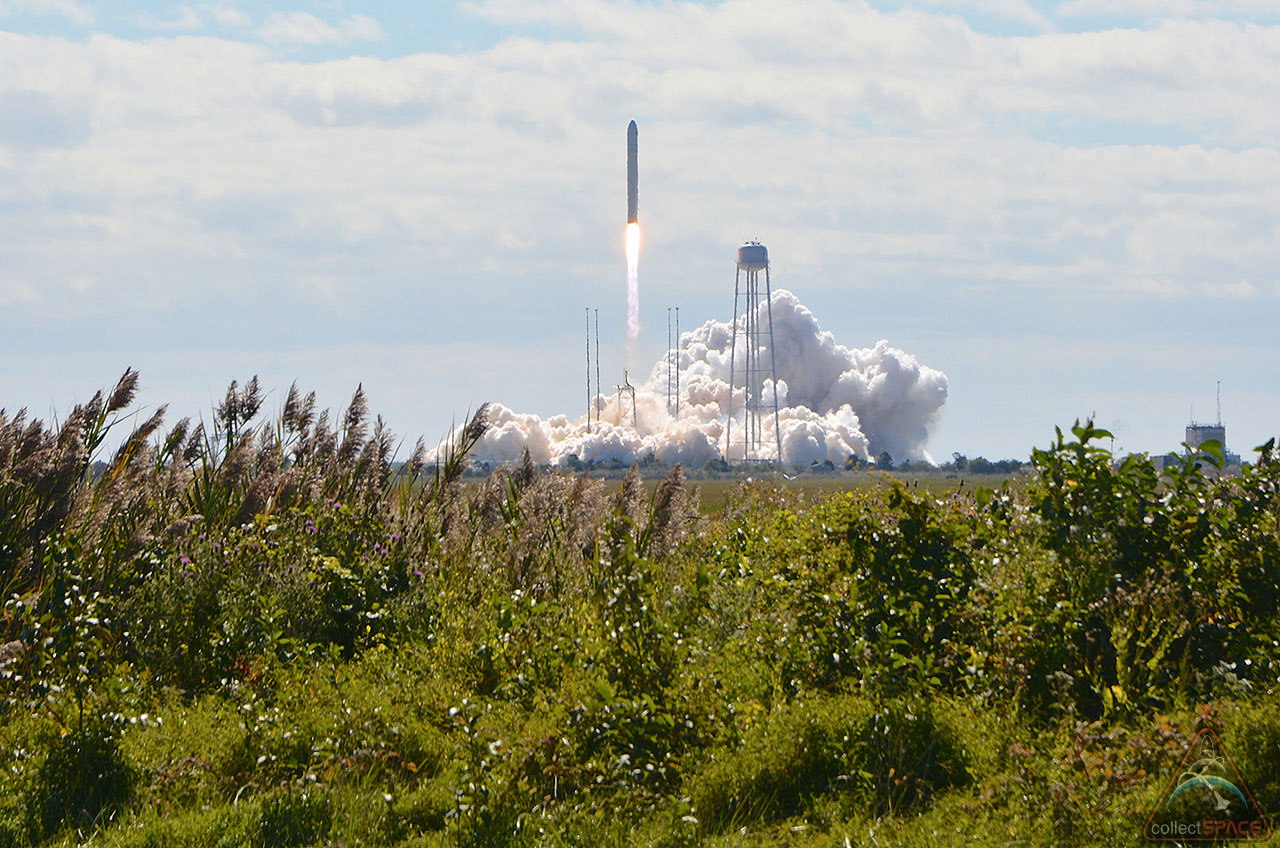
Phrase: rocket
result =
(633, 175)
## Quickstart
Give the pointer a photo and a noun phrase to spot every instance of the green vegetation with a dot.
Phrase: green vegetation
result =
(262, 633)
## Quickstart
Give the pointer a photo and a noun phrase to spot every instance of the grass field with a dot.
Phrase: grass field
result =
(715, 494)
(261, 634)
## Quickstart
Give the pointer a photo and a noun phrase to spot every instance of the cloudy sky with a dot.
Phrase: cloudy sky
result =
(1068, 206)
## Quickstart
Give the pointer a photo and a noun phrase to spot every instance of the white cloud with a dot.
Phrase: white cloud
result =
(17, 292)
(183, 18)
(875, 159)
(823, 63)
(189, 18)
(887, 158)
(1018, 11)
(1239, 290)
(75, 12)
(228, 16)
(305, 28)
(1168, 8)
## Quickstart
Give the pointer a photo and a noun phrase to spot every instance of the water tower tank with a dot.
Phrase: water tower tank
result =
(752, 256)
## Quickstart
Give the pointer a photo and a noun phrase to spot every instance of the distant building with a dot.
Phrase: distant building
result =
(1196, 435)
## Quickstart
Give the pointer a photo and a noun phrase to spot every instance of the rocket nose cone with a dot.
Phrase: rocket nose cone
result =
(631, 127)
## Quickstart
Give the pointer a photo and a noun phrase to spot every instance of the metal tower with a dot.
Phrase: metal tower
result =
(673, 363)
(593, 398)
(747, 370)
(627, 390)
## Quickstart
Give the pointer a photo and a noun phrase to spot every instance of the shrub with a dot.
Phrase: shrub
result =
(869, 588)
(292, 817)
(1151, 578)
(423, 809)
(83, 779)
(11, 834)
(908, 754)
(884, 759)
(1253, 739)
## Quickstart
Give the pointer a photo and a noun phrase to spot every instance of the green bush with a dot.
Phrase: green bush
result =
(266, 634)
(292, 817)
(1156, 580)
(12, 833)
(217, 827)
(882, 759)
(293, 584)
(1253, 741)
(424, 809)
(909, 753)
(83, 780)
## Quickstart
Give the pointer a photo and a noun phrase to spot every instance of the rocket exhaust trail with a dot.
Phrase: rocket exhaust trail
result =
(633, 281)
(633, 242)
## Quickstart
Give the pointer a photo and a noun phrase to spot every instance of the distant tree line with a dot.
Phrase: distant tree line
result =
(981, 465)
(884, 462)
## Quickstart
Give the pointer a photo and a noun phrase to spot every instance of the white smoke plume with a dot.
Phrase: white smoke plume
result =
(834, 401)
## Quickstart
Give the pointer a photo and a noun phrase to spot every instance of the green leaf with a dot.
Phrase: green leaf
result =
(602, 690)
(1213, 448)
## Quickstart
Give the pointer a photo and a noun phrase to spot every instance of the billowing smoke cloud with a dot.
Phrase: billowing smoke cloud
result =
(834, 401)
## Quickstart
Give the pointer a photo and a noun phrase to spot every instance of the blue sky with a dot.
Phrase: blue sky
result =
(1068, 206)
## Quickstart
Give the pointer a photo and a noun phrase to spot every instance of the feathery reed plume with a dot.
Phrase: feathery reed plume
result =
(228, 412)
(194, 446)
(239, 460)
(451, 462)
(587, 501)
(96, 417)
(173, 441)
(525, 472)
(306, 413)
(293, 429)
(384, 440)
(31, 438)
(251, 398)
(94, 407)
(324, 440)
(122, 394)
(76, 426)
(353, 426)
(490, 498)
(292, 407)
(417, 459)
(374, 467)
(630, 498)
(5, 442)
(269, 477)
(477, 426)
(674, 511)
(238, 408)
(138, 437)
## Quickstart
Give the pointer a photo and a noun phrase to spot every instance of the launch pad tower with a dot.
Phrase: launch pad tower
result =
(752, 338)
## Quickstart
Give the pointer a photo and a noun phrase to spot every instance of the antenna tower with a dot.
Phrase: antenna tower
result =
(673, 362)
(597, 366)
(588, 369)
(671, 375)
(756, 332)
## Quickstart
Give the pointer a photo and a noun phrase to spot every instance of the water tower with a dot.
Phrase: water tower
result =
(750, 345)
